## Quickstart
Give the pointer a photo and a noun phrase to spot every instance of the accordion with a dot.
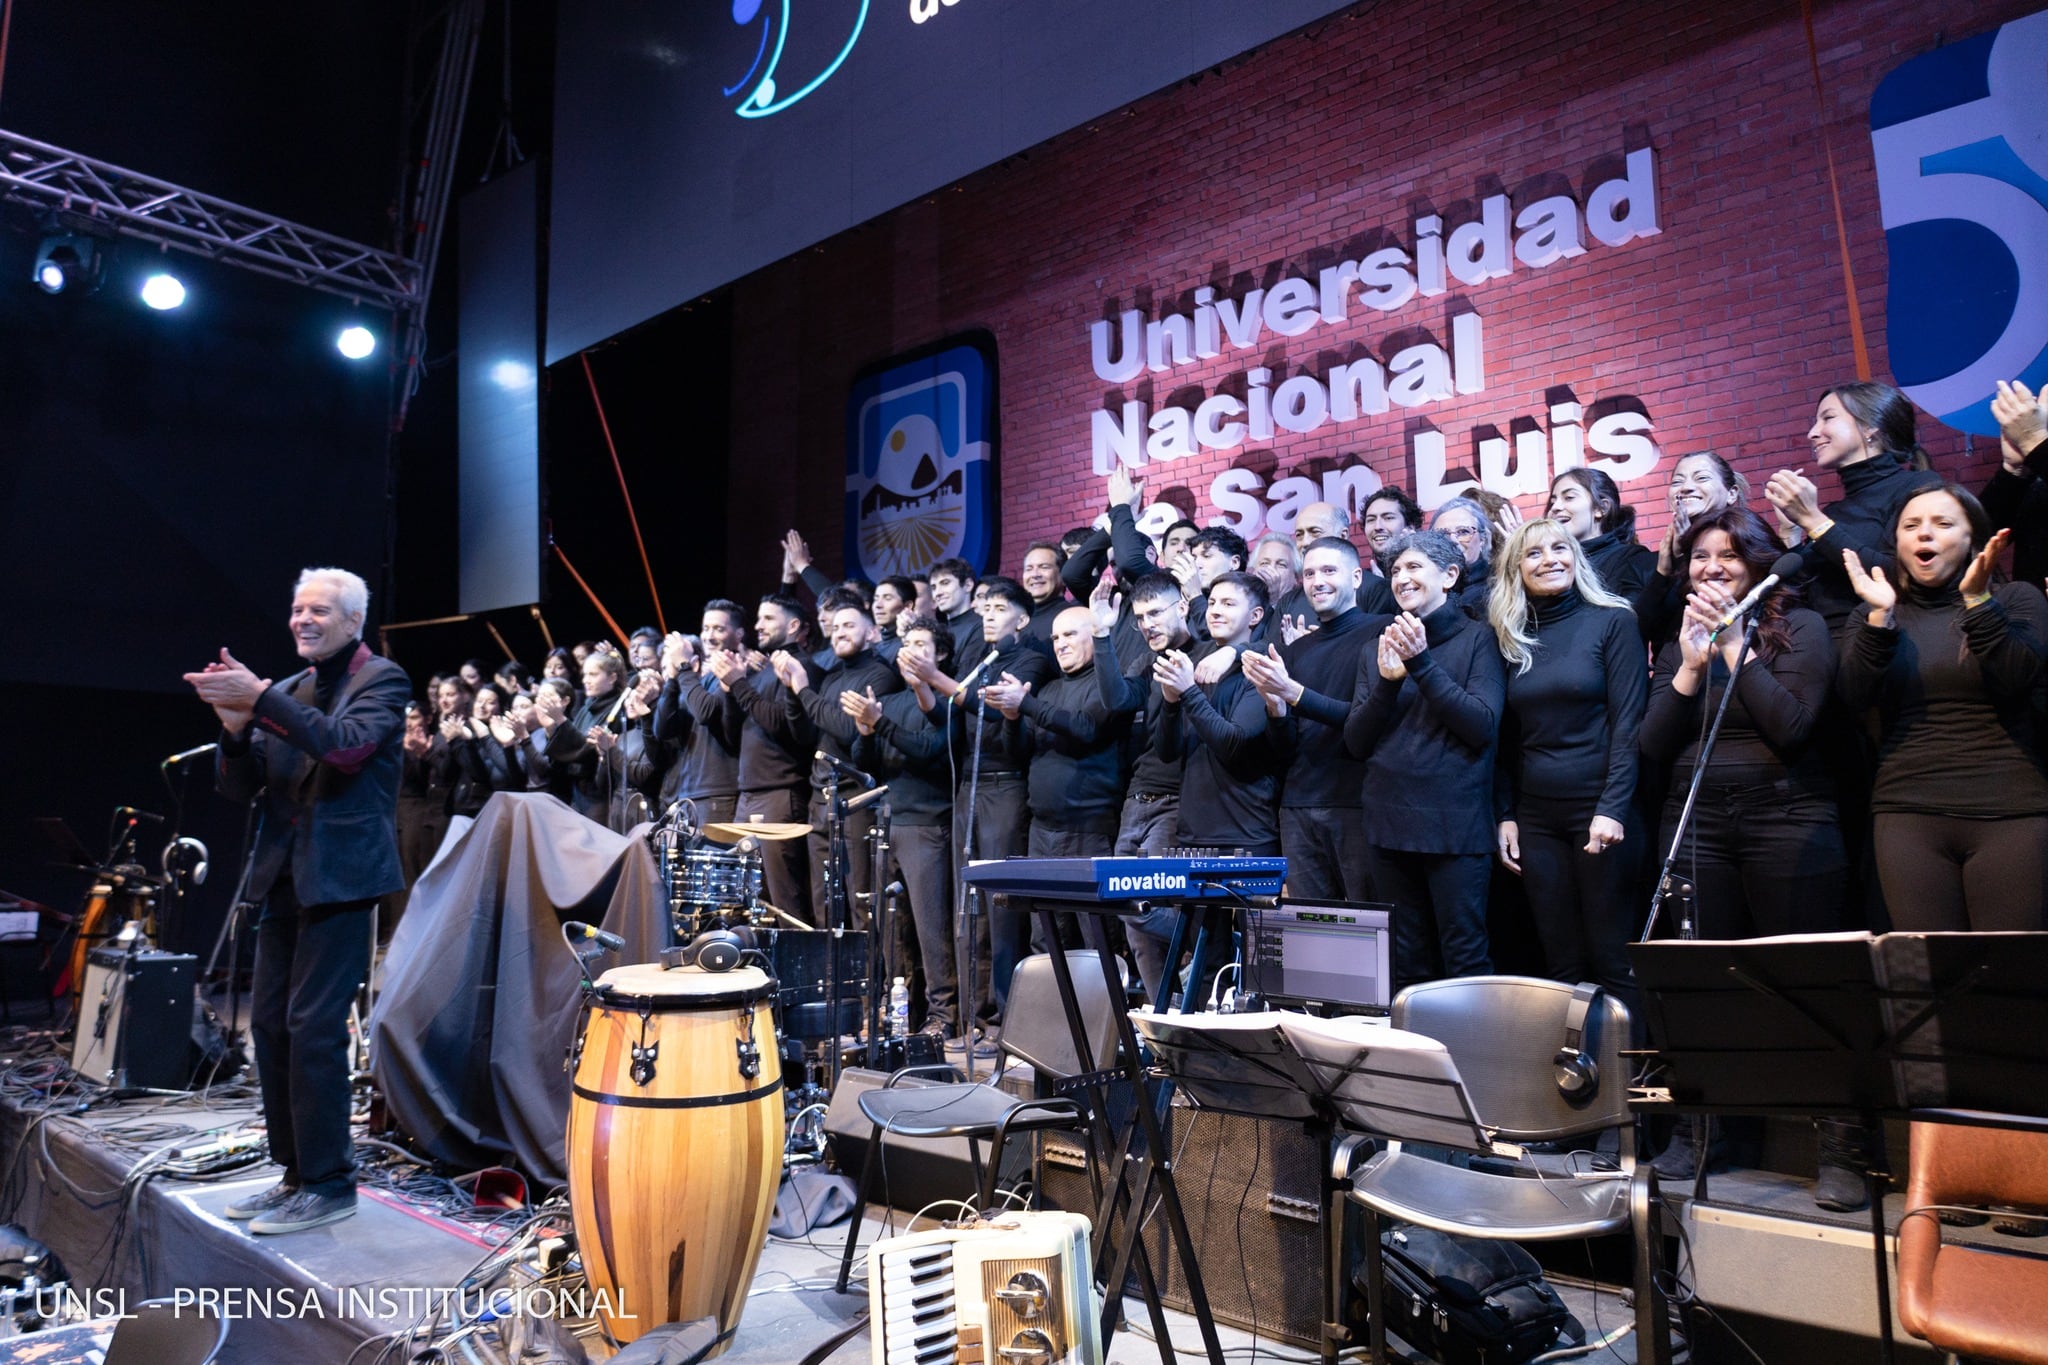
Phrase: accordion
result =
(1017, 1289)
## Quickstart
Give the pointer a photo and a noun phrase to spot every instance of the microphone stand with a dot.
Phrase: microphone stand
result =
(1664, 885)
(970, 894)
(230, 933)
(1685, 892)
(835, 908)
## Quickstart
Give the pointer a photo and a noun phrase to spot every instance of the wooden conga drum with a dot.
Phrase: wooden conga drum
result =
(675, 1143)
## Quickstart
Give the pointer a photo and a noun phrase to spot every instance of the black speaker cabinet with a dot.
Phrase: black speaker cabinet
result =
(1252, 1192)
(913, 1172)
(135, 1019)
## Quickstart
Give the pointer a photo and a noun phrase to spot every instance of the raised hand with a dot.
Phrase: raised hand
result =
(1124, 491)
(1874, 588)
(2018, 410)
(1292, 628)
(1105, 604)
(796, 556)
(676, 654)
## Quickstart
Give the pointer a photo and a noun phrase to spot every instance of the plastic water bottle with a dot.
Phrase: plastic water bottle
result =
(899, 1010)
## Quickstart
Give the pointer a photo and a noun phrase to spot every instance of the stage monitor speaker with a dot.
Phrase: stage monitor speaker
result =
(135, 1019)
(1252, 1193)
(914, 1171)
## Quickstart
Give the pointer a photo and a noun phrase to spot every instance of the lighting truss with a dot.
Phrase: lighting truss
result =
(137, 205)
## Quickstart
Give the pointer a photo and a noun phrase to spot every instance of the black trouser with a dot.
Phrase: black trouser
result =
(1439, 902)
(1763, 860)
(1149, 827)
(1002, 814)
(1046, 841)
(309, 962)
(785, 880)
(860, 875)
(924, 859)
(1943, 873)
(1582, 903)
(1326, 856)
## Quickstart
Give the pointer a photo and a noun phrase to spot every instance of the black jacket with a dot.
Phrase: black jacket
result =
(1429, 739)
(325, 750)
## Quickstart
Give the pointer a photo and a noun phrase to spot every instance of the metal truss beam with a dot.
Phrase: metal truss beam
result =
(141, 206)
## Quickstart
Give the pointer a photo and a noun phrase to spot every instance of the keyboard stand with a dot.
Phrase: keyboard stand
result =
(1119, 1158)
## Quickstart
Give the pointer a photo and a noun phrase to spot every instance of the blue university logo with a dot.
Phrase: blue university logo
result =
(785, 69)
(1961, 139)
(920, 461)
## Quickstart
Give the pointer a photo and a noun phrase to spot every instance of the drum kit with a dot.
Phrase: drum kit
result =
(698, 1079)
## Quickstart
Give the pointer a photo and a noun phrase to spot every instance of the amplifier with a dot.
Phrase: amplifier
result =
(1252, 1193)
(135, 1019)
(915, 1171)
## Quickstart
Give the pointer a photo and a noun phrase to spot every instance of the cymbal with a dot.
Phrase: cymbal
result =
(734, 831)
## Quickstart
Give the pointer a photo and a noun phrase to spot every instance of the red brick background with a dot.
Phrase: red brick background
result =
(1326, 144)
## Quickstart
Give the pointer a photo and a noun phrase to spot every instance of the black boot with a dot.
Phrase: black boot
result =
(1845, 1153)
(1680, 1159)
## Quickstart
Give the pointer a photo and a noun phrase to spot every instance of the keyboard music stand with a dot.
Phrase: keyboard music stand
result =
(1124, 1166)
(1942, 1028)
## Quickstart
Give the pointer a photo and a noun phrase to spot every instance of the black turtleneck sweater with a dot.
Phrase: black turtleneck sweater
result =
(820, 700)
(1428, 740)
(1135, 694)
(1570, 727)
(1956, 695)
(1079, 763)
(1026, 660)
(1623, 564)
(1873, 492)
(1325, 662)
(1768, 734)
(1230, 767)
(913, 750)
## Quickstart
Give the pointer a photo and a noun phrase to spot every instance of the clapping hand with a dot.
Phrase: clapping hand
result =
(1976, 580)
(790, 670)
(1873, 586)
(863, 707)
(1006, 694)
(1796, 498)
(231, 688)
(2018, 411)
(1292, 628)
(1175, 674)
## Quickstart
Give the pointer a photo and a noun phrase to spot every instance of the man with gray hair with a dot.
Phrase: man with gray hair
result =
(324, 749)
(1319, 519)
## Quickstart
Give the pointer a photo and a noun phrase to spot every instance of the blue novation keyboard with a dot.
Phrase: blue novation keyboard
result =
(1113, 880)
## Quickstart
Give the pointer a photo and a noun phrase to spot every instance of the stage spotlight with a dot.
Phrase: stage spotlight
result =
(163, 292)
(356, 342)
(68, 262)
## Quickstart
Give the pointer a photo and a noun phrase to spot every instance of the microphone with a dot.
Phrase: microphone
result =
(866, 798)
(1735, 612)
(188, 754)
(975, 671)
(845, 769)
(576, 928)
(132, 815)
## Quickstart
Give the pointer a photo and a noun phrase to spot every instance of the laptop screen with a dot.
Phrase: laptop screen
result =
(1336, 954)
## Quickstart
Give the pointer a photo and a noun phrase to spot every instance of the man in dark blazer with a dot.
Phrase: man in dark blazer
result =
(324, 750)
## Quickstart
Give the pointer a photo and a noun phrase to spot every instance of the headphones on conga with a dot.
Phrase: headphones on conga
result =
(1578, 1076)
(714, 950)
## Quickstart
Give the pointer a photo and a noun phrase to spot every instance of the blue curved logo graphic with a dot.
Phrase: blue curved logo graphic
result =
(1961, 142)
(765, 84)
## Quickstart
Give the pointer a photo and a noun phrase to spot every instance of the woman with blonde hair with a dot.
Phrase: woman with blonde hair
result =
(1577, 678)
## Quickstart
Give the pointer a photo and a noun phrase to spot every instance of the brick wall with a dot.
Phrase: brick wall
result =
(1324, 145)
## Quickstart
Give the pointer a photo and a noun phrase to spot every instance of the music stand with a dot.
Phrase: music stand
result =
(1351, 1070)
(1928, 1027)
